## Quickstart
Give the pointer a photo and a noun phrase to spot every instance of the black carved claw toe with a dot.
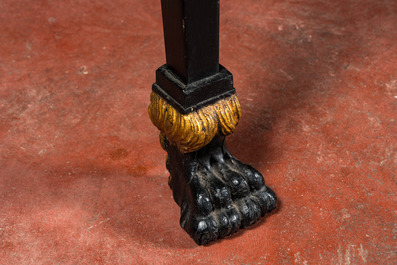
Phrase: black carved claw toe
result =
(217, 193)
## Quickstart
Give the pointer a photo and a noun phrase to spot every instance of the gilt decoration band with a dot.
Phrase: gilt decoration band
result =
(190, 132)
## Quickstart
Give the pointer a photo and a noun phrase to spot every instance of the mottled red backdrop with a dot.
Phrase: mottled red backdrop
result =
(82, 175)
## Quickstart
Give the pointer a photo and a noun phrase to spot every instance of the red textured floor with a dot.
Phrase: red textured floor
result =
(82, 175)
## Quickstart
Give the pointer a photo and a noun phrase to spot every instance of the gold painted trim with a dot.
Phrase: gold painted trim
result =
(194, 130)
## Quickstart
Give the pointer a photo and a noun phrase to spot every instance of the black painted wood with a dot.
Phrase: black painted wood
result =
(191, 34)
(217, 193)
(192, 77)
(190, 97)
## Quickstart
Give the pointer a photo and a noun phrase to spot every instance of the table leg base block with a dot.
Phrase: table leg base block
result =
(217, 193)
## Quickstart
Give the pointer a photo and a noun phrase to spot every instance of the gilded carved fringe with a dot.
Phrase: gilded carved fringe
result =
(192, 131)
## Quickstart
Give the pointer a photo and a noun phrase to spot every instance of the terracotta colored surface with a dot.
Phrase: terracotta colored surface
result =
(82, 175)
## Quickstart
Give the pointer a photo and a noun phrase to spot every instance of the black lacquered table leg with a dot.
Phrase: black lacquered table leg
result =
(194, 106)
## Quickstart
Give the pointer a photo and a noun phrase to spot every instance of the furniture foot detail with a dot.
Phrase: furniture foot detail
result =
(217, 193)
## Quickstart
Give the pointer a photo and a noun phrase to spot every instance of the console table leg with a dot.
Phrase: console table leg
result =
(194, 106)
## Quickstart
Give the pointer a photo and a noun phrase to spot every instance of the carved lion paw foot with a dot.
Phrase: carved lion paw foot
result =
(217, 194)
